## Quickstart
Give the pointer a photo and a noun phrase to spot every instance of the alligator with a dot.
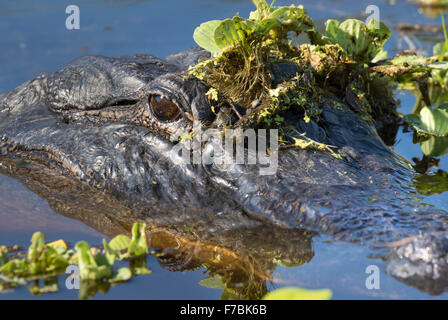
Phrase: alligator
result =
(97, 136)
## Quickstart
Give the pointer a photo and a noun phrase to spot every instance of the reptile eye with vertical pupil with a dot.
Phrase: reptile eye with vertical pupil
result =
(164, 109)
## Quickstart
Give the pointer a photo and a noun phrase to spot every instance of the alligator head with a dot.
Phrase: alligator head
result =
(112, 124)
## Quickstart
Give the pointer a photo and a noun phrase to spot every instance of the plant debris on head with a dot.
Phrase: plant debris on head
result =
(259, 70)
(250, 57)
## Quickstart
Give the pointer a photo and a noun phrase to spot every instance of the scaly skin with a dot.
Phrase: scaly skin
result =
(91, 123)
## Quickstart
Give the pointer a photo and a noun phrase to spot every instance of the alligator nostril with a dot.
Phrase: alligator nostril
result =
(164, 109)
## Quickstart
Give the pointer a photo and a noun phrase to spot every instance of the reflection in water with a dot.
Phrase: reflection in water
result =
(432, 8)
(433, 148)
(429, 184)
(243, 259)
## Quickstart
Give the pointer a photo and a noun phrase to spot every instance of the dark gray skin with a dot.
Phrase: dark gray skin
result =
(92, 122)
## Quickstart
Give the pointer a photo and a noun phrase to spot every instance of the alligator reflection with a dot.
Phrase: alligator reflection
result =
(243, 259)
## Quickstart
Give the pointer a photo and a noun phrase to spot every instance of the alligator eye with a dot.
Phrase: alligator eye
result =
(164, 109)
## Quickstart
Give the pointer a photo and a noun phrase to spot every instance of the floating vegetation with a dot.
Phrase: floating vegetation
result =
(45, 261)
(255, 68)
(294, 293)
(239, 277)
(286, 293)
(430, 121)
(362, 43)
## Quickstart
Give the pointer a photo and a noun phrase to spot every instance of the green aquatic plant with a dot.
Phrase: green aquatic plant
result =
(266, 23)
(363, 43)
(347, 61)
(92, 267)
(42, 260)
(243, 49)
(430, 115)
(249, 56)
(45, 261)
(295, 293)
(432, 121)
(3, 255)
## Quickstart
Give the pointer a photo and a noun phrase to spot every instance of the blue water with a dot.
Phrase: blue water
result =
(34, 40)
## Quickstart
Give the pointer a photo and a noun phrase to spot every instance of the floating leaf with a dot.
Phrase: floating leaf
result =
(88, 265)
(267, 25)
(58, 245)
(332, 27)
(438, 65)
(262, 7)
(291, 18)
(361, 42)
(294, 293)
(381, 34)
(214, 282)
(111, 254)
(120, 242)
(3, 255)
(41, 261)
(430, 121)
(138, 245)
(45, 261)
(229, 33)
(123, 274)
(142, 271)
(217, 36)
(37, 246)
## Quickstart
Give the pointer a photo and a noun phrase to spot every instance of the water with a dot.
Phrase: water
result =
(34, 40)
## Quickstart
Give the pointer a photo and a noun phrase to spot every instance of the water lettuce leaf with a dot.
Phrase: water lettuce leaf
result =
(294, 293)
(218, 35)
(138, 245)
(204, 35)
(362, 42)
(48, 260)
(123, 274)
(41, 261)
(90, 267)
(430, 121)
(214, 282)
